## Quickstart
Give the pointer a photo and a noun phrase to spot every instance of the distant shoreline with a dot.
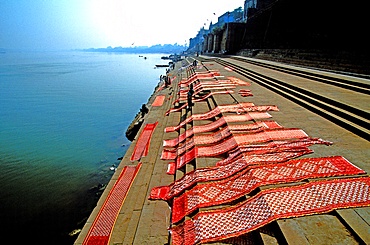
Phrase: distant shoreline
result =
(155, 49)
(167, 48)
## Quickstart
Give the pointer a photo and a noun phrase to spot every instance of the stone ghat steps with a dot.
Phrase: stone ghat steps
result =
(304, 230)
(343, 62)
(143, 221)
(358, 85)
(353, 119)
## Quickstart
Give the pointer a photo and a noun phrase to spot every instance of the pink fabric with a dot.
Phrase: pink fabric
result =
(159, 100)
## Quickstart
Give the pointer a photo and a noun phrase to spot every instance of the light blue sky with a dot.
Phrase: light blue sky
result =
(70, 24)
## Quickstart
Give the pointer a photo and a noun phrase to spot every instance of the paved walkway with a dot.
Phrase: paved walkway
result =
(143, 221)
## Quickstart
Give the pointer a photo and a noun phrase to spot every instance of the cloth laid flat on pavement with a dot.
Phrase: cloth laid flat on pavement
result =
(202, 98)
(221, 192)
(159, 100)
(230, 166)
(275, 155)
(142, 144)
(225, 119)
(269, 205)
(236, 128)
(101, 229)
(229, 144)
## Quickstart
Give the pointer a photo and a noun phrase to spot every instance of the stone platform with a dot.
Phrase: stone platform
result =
(144, 221)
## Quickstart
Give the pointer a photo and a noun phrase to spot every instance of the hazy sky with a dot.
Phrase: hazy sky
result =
(70, 24)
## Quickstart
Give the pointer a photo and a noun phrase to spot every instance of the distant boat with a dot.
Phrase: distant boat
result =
(161, 65)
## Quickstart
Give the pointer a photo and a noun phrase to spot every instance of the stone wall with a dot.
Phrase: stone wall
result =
(226, 40)
(292, 24)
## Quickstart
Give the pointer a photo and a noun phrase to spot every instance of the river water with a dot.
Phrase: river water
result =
(63, 117)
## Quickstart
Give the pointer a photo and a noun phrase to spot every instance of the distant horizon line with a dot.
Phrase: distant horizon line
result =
(20, 49)
(157, 48)
(146, 46)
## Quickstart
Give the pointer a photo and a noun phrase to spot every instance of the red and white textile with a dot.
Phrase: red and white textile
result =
(270, 205)
(221, 192)
(223, 171)
(100, 230)
(232, 142)
(184, 97)
(143, 142)
(229, 118)
(234, 128)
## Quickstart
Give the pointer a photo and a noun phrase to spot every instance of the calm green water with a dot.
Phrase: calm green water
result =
(63, 118)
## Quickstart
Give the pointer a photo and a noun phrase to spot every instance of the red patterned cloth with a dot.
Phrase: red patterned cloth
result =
(227, 144)
(234, 128)
(245, 92)
(197, 76)
(257, 126)
(237, 108)
(273, 204)
(181, 149)
(234, 166)
(203, 128)
(243, 107)
(201, 87)
(208, 139)
(270, 135)
(221, 192)
(174, 142)
(159, 100)
(101, 228)
(142, 144)
(229, 118)
(267, 148)
(212, 85)
(209, 126)
(183, 97)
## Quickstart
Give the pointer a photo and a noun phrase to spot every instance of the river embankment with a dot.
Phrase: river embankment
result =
(180, 149)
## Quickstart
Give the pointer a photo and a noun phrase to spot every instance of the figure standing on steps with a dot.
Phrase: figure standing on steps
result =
(190, 96)
(144, 110)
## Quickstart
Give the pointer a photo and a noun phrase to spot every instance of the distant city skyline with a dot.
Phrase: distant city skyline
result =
(69, 24)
